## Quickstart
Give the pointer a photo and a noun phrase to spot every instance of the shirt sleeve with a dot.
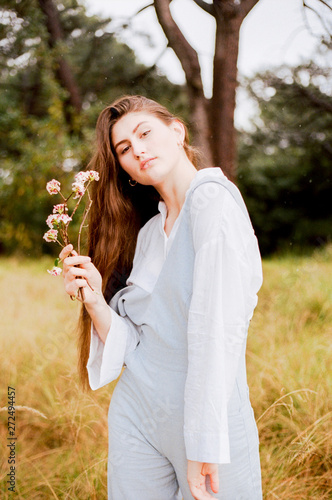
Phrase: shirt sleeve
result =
(106, 360)
(227, 277)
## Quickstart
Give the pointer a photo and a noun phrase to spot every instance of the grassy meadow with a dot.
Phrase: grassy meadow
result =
(61, 449)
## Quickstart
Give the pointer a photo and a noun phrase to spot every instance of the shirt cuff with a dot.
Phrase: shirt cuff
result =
(106, 360)
(208, 448)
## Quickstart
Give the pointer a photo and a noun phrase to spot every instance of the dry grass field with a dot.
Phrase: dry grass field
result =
(61, 446)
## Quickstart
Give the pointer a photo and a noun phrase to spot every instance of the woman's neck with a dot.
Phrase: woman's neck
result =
(174, 188)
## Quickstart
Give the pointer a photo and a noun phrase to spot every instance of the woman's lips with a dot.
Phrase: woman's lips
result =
(146, 163)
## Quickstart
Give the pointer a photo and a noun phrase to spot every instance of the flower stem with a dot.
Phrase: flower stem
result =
(85, 214)
(79, 200)
(64, 235)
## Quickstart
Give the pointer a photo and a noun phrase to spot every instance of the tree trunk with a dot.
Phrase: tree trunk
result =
(200, 127)
(223, 139)
(189, 60)
(64, 72)
(212, 121)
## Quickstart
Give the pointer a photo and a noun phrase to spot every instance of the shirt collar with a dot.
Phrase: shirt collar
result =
(162, 209)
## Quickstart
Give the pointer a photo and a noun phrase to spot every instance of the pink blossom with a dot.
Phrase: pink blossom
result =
(55, 271)
(53, 186)
(81, 177)
(53, 220)
(89, 175)
(79, 189)
(64, 218)
(59, 209)
(51, 235)
(93, 175)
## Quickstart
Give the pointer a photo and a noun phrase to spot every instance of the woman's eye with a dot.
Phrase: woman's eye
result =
(124, 150)
(145, 133)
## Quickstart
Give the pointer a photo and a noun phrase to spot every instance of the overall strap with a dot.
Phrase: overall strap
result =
(227, 184)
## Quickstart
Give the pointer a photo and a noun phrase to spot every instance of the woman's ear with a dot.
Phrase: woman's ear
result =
(179, 131)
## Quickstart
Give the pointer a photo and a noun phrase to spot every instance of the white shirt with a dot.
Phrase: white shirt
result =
(227, 277)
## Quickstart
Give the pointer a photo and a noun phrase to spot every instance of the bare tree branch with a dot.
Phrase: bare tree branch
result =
(229, 9)
(187, 55)
(188, 58)
(160, 56)
(246, 6)
(326, 4)
(320, 17)
(306, 22)
(142, 9)
(225, 8)
(128, 19)
(65, 74)
(208, 7)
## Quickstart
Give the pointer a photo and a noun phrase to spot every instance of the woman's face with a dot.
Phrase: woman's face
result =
(146, 147)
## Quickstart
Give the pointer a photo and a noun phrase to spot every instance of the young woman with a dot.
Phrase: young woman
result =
(173, 248)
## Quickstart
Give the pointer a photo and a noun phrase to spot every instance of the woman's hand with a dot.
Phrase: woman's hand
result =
(196, 479)
(87, 277)
(79, 272)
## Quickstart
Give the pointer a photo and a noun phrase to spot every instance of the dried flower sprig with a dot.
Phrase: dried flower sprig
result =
(59, 220)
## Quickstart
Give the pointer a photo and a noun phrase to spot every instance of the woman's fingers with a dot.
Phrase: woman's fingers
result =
(75, 277)
(73, 264)
(211, 470)
(77, 260)
(196, 476)
(79, 273)
(74, 272)
(72, 286)
(214, 479)
(65, 252)
(69, 251)
(200, 494)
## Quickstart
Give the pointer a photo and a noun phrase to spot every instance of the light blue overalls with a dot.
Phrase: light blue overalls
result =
(147, 459)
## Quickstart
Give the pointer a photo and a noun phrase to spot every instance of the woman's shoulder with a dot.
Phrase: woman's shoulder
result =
(213, 193)
(211, 184)
(217, 209)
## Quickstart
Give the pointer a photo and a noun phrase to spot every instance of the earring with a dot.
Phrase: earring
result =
(132, 182)
(180, 144)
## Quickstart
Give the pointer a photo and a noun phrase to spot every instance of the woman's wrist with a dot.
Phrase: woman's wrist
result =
(101, 317)
(96, 307)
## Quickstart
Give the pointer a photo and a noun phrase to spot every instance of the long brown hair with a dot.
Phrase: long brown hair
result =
(118, 210)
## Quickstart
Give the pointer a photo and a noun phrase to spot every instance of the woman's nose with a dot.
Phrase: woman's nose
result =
(138, 149)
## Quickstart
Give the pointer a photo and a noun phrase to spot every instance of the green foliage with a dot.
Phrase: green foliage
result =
(37, 142)
(33, 151)
(285, 163)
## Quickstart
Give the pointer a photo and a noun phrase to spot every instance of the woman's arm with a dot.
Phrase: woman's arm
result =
(79, 272)
(113, 336)
(227, 276)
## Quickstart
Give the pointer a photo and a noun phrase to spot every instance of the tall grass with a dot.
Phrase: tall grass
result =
(62, 433)
(289, 370)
